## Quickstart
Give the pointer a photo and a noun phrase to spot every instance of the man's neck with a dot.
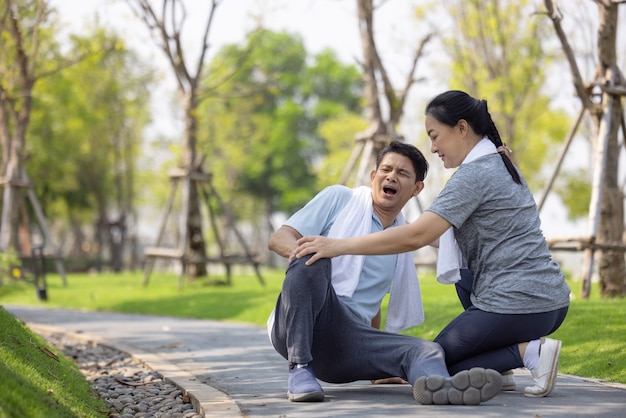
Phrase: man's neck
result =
(386, 218)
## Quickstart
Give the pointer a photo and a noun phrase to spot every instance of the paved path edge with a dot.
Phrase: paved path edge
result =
(596, 381)
(206, 399)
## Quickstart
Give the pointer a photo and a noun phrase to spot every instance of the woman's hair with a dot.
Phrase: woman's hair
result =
(454, 105)
(420, 165)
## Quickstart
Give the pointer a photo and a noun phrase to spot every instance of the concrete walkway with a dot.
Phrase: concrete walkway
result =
(231, 370)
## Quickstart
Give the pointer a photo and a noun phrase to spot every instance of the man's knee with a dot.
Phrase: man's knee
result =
(298, 269)
(428, 350)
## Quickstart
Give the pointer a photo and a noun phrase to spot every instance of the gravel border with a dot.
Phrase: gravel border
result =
(129, 388)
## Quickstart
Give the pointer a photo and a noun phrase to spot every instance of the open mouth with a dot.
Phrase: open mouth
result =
(389, 190)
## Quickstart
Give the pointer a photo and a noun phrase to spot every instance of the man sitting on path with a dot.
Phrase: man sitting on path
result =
(322, 322)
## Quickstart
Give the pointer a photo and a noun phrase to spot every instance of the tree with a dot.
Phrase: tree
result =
(166, 24)
(263, 120)
(497, 53)
(383, 117)
(29, 53)
(602, 99)
(84, 146)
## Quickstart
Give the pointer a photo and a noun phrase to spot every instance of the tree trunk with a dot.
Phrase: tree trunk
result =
(607, 116)
(195, 237)
(14, 116)
(611, 266)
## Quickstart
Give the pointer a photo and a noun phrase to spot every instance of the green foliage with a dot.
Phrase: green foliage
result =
(85, 133)
(574, 188)
(592, 333)
(37, 381)
(8, 261)
(38, 28)
(339, 132)
(335, 87)
(261, 121)
(498, 54)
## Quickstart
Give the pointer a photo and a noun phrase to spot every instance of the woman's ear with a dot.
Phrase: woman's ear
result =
(463, 126)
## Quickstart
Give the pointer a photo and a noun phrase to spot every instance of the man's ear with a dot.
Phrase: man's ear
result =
(419, 186)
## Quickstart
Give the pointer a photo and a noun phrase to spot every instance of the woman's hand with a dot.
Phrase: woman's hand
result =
(320, 247)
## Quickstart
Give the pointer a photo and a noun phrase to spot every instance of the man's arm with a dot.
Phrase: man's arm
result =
(283, 241)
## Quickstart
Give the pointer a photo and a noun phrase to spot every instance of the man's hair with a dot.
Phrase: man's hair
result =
(411, 152)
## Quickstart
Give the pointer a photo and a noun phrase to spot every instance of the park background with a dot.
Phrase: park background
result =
(328, 24)
(283, 104)
(106, 129)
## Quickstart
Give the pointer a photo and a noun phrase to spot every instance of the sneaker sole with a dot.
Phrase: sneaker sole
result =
(468, 387)
(553, 374)
(306, 397)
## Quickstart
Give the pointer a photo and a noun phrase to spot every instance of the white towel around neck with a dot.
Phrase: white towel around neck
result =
(405, 308)
(450, 260)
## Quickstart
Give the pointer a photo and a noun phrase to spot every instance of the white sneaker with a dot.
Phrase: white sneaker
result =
(545, 374)
(508, 381)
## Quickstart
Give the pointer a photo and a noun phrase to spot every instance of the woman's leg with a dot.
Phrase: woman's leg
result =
(482, 339)
(464, 288)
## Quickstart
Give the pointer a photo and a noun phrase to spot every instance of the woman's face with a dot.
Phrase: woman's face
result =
(447, 141)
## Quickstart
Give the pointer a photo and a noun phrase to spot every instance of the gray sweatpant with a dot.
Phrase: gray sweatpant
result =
(313, 326)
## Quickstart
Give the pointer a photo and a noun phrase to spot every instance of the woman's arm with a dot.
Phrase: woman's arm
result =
(423, 231)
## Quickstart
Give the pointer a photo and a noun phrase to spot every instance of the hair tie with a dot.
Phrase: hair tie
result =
(503, 149)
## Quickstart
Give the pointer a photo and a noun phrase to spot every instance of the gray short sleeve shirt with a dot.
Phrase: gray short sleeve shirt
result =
(497, 227)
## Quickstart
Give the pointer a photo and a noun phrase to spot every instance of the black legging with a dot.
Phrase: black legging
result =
(477, 338)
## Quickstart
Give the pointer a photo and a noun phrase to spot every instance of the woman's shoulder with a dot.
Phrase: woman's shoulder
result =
(477, 171)
(487, 168)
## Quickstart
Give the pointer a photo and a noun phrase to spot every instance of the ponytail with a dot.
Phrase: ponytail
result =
(493, 134)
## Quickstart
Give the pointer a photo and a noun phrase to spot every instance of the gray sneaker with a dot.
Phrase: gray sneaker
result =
(303, 387)
(467, 387)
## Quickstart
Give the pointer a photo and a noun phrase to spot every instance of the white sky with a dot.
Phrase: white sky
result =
(321, 23)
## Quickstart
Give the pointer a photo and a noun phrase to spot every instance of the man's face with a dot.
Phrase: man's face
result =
(394, 183)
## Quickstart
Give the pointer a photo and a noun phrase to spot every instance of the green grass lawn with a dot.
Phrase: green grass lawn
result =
(37, 381)
(592, 335)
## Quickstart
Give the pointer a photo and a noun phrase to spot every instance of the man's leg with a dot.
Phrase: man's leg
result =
(304, 294)
(351, 350)
(342, 349)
